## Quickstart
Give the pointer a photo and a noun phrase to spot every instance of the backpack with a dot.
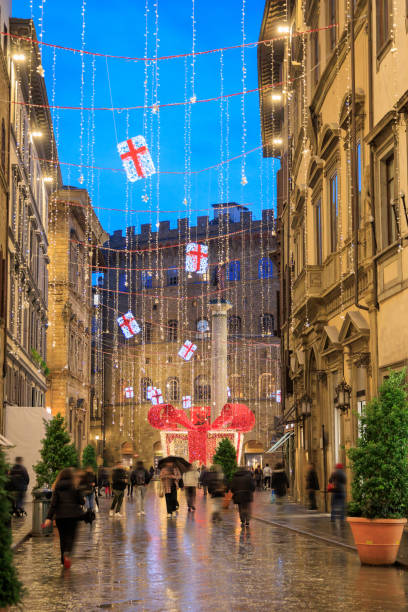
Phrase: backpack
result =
(139, 477)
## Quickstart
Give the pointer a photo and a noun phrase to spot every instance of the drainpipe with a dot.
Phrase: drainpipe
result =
(354, 168)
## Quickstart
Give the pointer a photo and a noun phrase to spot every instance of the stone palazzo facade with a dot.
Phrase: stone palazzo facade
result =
(145, 273)
(334, 109)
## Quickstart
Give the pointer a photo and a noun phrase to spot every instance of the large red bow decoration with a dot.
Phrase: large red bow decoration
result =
(237, 417)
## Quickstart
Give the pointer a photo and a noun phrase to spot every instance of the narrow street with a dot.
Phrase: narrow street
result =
(157, 564)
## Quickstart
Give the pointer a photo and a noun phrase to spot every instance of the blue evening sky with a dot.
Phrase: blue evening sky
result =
(119, 29)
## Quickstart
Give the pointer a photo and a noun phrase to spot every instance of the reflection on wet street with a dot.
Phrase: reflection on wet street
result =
(153, 563)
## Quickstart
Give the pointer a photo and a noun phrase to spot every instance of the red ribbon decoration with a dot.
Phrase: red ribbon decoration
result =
(237, 417)
(133, 154)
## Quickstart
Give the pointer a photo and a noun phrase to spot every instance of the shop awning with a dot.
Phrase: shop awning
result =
(5, 443)
(281, 441)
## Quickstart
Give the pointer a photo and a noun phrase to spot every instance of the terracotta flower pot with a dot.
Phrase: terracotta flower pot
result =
(377, 540)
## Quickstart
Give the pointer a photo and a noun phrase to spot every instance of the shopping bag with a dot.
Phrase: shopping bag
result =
(273, 497)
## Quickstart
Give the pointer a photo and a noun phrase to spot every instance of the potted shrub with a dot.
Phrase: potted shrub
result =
(380, 474)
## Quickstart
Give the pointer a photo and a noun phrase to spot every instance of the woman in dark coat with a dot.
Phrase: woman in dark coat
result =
(280, 482)
(243, 487)
(66, 507)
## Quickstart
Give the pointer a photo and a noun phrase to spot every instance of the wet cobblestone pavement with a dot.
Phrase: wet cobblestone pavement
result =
(157, 564)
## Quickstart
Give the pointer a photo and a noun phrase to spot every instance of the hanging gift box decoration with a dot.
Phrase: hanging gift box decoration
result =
(187, 350)
(129, 392)
(128, 325)
(196, 258)
(136, 158)
(156, 396)
(187, 402)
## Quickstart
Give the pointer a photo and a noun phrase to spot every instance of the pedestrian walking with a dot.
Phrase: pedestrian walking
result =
(102, 478)
(337, 487)
(203, 479)
(129, 483)
(258, 475)
(151, 471)
(17, 485)
(243, 487)
(216, 488)
(140, 478)
(312, 485)
(267, 474)
(119, 483)
(190, 484)
(87, 487)
(66, 508)
(279, 483)
(170, 477)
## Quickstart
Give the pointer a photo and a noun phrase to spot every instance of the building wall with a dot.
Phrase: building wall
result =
(331, 333)
(253, 351)
(4, 192)
(70, 309)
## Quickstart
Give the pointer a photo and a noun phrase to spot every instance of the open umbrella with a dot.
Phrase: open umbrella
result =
(179, 462)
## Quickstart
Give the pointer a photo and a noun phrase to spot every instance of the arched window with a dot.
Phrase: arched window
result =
(173, 389)
(267, 386)
(237, 387)
(234, 324)
(267, 326)
(172, 331)
(202, 389)
(145, 383)
(265, 268)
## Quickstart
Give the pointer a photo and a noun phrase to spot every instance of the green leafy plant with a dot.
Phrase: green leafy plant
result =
(10, 587)
(40, 362)
(226, 457)
(379, 461)
(89, 457)
(57, 452)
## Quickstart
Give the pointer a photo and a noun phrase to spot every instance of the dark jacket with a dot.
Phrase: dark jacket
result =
(279, 482)
(312, 482)
(87, 483)
(119, 479)
(139, 477)
(19, 478)
(242, 487)
(338, 478)
(216, 484)
(258, 474)
(66, 501)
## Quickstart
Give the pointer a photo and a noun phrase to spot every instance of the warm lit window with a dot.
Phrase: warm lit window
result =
(173, 389)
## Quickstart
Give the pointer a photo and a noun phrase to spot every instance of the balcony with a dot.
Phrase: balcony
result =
(309, 283)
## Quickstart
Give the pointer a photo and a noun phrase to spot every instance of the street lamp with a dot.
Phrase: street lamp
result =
(305, 405)
(343, 395)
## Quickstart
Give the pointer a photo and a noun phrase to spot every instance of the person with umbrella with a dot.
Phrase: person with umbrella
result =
(171, 469)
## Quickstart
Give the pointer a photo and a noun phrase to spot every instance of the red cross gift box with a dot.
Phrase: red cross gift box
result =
(196, 257)
(186, 402)
(136, 158)
(199, 440)
(128, 325)
(156, 396)
(129, 392)
(187, 350)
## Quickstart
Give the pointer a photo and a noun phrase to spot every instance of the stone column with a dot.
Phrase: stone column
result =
(219, 366)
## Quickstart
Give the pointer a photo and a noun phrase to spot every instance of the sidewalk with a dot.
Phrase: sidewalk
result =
(313, 524)
(21, 528)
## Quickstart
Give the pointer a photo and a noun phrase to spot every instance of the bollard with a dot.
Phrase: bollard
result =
(41, 505)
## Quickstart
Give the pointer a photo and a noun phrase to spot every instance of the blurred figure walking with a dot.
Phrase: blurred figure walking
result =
(203, 479)
(216, 488)
(140, 478)
(87, 487)
(258, 475)
(190, 484)
(170, 476)
(337, 487)
(119, 484)
(66, 508)
(17, 485)
(267, 474)
(243, 487)
(312, 485)
(280, 483)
